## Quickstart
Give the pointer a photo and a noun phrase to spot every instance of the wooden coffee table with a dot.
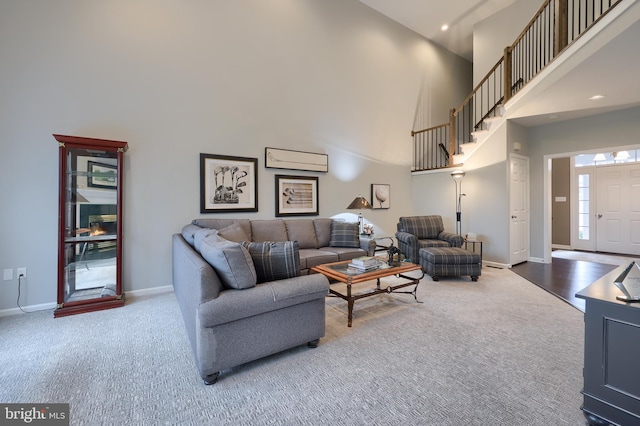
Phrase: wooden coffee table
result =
(340, 271)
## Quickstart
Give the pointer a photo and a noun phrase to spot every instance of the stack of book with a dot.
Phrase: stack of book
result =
(364, 263)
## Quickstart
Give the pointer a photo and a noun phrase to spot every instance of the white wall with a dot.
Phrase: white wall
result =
(175, 79)
(498, 31)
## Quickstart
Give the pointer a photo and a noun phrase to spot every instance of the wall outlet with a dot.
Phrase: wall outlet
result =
(21, 271)
(8, 274)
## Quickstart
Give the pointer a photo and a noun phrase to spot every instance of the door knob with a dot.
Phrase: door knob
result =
(514, 217)
(599, 216)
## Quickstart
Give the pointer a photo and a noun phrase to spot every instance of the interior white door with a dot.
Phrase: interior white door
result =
(618, 209)
(519, 206)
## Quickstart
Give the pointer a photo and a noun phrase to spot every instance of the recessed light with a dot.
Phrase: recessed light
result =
(445, 27)
(596, 97)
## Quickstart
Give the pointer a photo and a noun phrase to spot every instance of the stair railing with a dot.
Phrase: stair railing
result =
(556, 25)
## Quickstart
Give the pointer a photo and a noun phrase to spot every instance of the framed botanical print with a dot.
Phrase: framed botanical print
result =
(296, 195)
(380, 196)
(228, 184)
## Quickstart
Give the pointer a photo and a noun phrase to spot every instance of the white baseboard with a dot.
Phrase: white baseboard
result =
(561, 247)
(52, 305)
(495, 265)
(536, 259)
(27, 309)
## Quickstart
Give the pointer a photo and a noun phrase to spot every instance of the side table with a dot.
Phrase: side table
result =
(474, 247)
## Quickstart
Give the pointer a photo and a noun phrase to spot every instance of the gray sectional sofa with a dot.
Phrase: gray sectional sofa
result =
(244, 286)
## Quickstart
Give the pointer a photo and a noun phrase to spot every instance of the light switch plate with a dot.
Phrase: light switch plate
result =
(8, 274)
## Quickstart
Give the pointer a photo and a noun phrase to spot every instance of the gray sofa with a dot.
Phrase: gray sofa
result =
(231, 317)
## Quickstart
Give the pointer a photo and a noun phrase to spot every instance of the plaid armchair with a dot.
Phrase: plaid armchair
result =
(416, 232)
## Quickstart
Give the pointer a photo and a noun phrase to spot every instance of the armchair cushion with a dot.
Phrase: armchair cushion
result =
(344, 234)
(274, 260)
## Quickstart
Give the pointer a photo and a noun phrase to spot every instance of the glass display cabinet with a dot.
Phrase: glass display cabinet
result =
(89, 225)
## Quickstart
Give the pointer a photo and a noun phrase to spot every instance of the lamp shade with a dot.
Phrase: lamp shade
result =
(359, 203)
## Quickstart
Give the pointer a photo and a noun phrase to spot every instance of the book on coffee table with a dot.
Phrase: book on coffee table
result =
(365, 261)
(365, 268)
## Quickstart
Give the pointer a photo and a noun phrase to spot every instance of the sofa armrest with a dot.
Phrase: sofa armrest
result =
(454, 239)
(232, 305)
(368, 245)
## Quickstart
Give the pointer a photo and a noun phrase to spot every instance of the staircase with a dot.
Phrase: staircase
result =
(556, 26)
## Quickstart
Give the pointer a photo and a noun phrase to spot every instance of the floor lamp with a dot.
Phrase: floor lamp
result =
(457, 179)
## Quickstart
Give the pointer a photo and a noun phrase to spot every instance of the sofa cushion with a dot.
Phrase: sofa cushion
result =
(274, 260)
(223, 223)
(200, 235)
(230, 260)
(233, 232)
(344, 234)
(268, 230)
(188, 232)
(314, 257)
(302, 231)
(323, 231)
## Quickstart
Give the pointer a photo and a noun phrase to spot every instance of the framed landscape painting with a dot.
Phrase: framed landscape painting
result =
(296, 195)
(228, 184)
(102, 175)
(380, 196)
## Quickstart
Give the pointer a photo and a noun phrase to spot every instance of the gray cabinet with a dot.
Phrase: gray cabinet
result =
(611, 355)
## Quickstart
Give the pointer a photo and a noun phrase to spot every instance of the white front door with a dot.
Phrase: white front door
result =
(519, 209)
(618, 209)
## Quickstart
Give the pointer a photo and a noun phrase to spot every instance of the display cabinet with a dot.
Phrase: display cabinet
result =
(90, 226)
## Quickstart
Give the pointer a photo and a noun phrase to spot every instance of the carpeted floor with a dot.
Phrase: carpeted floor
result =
(500, 351)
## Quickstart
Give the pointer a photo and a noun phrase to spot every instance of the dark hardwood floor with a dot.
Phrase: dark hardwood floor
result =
(563, 277)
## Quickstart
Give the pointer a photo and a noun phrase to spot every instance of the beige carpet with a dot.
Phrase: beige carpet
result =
(497, 352)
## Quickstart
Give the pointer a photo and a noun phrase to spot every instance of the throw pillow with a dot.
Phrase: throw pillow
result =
(233, 232)
(344, 234)
(274, 260)
(230, 260)
(200, 235)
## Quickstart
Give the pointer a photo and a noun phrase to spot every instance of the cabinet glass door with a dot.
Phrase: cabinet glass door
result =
(90, 225)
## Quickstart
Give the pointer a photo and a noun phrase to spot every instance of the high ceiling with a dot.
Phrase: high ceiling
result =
(427, 17)
(607, 66)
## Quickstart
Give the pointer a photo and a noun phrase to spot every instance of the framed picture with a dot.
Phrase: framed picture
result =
(296, 195)
(228, 184)
(295, 160)
(380, 196)
(102, 175)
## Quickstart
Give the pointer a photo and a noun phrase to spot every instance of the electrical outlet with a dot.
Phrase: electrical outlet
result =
(8, 274)
(21, 271)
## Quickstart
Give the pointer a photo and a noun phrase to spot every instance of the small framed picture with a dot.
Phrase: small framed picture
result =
(228, 184)
(296, 195)
(102, 175)
(380, 196)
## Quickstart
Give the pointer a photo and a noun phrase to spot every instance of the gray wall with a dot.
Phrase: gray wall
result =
(175, 79)
(614, 129)
(561, 210)
(498, 31)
